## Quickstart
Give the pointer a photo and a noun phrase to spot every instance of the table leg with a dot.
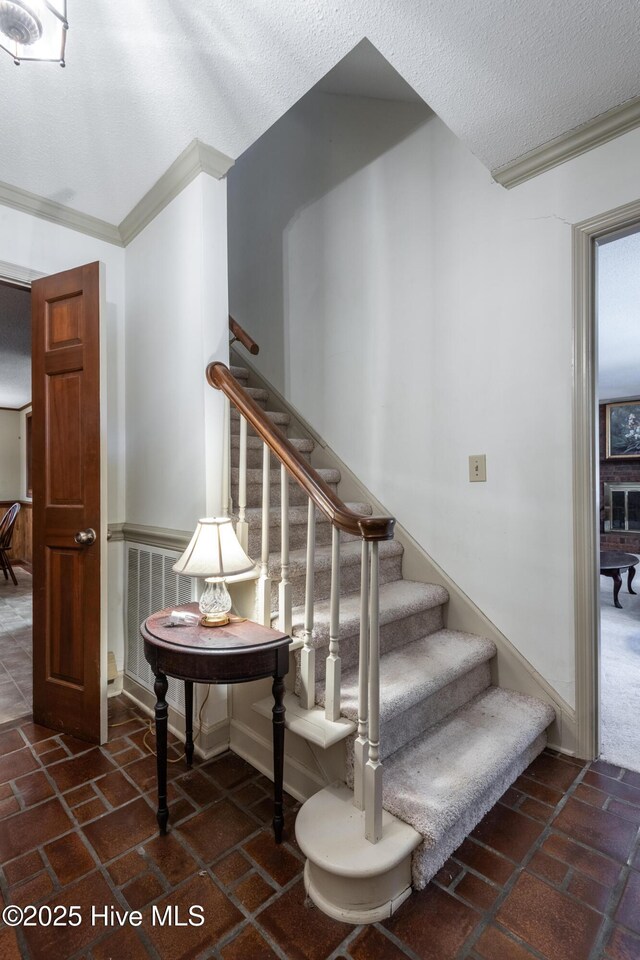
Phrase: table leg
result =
(188, 721)
(278, 755)
(617, 583)
(630, 576)
(162, 711)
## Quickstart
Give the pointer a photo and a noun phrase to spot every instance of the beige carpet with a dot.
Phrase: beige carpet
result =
(620, 675)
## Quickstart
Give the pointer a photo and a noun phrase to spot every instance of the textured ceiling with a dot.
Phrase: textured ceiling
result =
(365, 73)
(619, 318)
(15, 346)
(145, 78)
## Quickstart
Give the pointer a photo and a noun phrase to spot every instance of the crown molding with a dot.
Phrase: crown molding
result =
(21, 276)
(197, 158)
(57, 213)
(607, 126)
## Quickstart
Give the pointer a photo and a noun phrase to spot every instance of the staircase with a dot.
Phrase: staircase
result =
(450, 742)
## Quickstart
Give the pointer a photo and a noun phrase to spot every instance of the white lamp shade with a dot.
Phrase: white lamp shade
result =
(214, 551)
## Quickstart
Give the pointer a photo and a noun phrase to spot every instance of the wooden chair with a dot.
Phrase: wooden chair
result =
(7, 524)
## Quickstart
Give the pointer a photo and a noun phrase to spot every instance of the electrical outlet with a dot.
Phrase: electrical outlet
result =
(478, 468)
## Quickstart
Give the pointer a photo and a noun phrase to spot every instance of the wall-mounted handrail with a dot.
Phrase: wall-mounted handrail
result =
(240, 334)
(369, 528)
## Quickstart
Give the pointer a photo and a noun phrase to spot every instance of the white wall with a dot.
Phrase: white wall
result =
(10, 488)
(416, 313)
(176, 323)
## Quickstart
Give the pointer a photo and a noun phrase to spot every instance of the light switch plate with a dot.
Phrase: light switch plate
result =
(478, 468)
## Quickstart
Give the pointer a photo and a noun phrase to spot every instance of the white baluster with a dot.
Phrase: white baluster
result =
(226, 460)
(308, 654)
(373, 769)
(284, 591)
(332, 697)
(242, 527)
(361, 745)
(264, 581)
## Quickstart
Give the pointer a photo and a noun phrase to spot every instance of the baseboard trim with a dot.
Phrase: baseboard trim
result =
(213, 739)
(299, 781)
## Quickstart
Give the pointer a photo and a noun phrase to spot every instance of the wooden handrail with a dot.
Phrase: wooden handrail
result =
(369, 528)
(243, 337)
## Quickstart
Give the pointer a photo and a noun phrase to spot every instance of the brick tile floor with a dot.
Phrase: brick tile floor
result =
(552, 872)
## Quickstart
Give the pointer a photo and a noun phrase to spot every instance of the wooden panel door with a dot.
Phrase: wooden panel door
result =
(66, 502)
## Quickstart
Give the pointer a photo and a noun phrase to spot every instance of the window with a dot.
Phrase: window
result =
(622, 506)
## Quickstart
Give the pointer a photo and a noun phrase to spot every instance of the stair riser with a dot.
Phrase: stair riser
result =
(297, 536)
(261, 401)
(297, 496)
(281, 423)
(401, 729)
(254, 458)
(392, 635)
(390, 569)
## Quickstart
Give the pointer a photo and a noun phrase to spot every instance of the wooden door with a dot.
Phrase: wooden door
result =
(66, 502)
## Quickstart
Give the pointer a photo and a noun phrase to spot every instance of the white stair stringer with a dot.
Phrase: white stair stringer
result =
(451, 744)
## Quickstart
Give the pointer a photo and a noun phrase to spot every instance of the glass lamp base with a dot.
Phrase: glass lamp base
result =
(215, 603)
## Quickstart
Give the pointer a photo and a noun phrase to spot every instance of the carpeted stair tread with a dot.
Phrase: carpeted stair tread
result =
(398, 600)
(445, 774)
(258, 394)
(350, 555)
(240, 373)
(442, 657)
(254, 476)
(298, 519)
(280, 419)
(256, 443)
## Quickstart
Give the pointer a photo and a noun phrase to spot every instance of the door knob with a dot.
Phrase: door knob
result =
(85, 537)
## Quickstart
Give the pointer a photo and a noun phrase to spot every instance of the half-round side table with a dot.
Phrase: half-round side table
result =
(235, 653)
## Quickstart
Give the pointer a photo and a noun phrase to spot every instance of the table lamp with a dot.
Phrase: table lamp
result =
(214, 553)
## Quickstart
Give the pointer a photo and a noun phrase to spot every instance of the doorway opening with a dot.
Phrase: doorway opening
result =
(617, 266)
(16, 642)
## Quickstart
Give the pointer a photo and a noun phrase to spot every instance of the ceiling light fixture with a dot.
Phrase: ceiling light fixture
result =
(34, 30)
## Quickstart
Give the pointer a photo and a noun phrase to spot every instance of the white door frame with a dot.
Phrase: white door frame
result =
(586, 456)
(15, 273)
